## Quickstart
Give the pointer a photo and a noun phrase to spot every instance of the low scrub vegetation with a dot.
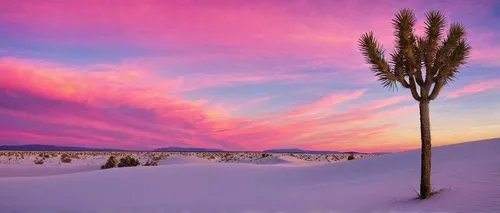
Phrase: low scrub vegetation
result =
(159, 157)
(65, 158)
(128, 162)
(351, 157)
(39, 161)
(151, 163)
(265, 154)
(227, 157)
(110, 163)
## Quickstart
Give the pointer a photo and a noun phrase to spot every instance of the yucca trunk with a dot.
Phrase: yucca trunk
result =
(425, 133)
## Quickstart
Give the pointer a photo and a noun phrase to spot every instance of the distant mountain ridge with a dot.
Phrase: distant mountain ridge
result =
(186, 149)
(294, 150)
(39, 147)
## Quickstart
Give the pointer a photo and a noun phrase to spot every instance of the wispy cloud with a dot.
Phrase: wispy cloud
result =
(474, 87)
(326, 102)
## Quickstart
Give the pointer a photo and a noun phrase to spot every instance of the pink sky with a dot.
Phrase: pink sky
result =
(234, 75)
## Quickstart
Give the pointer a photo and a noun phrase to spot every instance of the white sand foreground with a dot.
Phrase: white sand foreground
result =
(468, 173)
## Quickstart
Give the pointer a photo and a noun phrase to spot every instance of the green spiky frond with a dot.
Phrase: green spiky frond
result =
(374, 55)
(404, 24)
(457, 58)
(434, 27)
(420, 54)
(452, 53)
(397, 62)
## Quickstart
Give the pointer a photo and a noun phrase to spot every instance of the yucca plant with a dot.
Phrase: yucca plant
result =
(422, 64)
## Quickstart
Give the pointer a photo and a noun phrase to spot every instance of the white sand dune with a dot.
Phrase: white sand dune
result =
(51, 166)
(41, 170)
(469, 173)
(280, 160)
(297, 161)
(174, 160)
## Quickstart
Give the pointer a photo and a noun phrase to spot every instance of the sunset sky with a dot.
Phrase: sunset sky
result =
(234, 75)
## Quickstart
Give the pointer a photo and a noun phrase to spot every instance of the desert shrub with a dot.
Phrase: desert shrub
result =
(46, 156)
(151, 163)
(158, 158)
(265, 154)
(39, 161)
(39, 155)
(65, 158)
(128, 162)
(351, 157)
(53, 155)
(110, 163)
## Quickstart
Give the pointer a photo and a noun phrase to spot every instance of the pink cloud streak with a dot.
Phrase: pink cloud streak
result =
(112, 108)
(474, 87)
(326, 102)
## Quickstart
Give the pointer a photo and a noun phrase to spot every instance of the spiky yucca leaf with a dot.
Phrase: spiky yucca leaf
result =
(374, 55)
(434, 26)
(420, 54)
(457, 58)
(403, 25)
(397, 61)
(455, 37)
